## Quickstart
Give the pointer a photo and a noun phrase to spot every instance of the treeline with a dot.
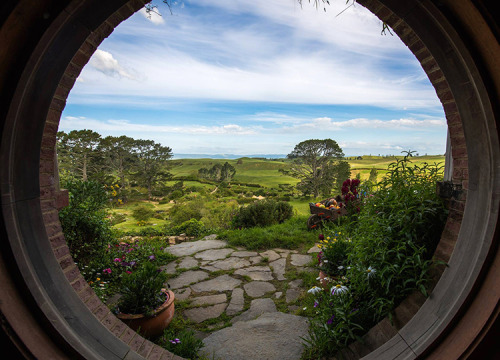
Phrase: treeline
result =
(128, 162)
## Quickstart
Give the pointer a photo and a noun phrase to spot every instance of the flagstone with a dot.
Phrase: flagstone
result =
(244, 253)
(219, 284)
(228, 264)
(259, 273)
(187, 263)
(278, 267)
(201, 314)
(300, 260)
(271, 255)
(212, 255)
(237, 302)
(192, 247)
(258, 288)
(187, 278)
(257, 308)
(209, 300)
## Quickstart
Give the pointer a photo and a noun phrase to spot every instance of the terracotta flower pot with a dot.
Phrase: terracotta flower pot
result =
(152, 326)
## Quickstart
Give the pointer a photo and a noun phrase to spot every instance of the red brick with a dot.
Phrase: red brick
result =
(51, 128)
(436, 76)
(51, 216)
(80, 59)
(47, 192)
(156, 353)
(62, 92)
(72, 72)
(61, 252)
(127, 335)
(145, 348)
(79, 284)
(136, 342)
(88, 49)
(67, 81)
(57, 240)
(47, 153)
(383, 13)
(465, 184)
(110, 321)
(93, 302)
(450, 108)
(86, 293)
(48, 204)
(430, 66)
(57, 104)
(119, 329)
(72, 273)
(66, 262)
(458, 152)
(101, 312)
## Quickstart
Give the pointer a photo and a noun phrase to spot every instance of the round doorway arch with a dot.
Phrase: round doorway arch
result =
(48, 311)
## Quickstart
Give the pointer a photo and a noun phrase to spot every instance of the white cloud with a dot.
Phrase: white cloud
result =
(105, 63)
(128, 127)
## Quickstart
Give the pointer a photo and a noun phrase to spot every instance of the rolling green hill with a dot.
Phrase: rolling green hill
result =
(265, 172)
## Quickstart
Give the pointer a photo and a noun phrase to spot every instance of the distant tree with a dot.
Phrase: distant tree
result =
(319, 166)
(151, 164)
(373, 176)
(78, 152)
(218, 173)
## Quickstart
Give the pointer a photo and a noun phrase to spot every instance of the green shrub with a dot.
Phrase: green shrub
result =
(219, 215)
(191, 227)
(84, 221)
(262, 213)
(180, 213)
(143, 213)
(176, 194)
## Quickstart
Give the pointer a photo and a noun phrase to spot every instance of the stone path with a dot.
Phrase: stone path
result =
(223, 285)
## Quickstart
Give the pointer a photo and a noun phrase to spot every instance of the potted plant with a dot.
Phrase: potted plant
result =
(145, 305)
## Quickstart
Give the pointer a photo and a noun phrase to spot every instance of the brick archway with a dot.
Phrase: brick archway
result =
(49, 311)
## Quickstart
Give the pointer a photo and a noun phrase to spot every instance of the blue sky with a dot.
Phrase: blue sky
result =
(258, 77)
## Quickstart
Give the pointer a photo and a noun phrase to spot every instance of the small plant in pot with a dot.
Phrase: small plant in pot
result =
(145, 305)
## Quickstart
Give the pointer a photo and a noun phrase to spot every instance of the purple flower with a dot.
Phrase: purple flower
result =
(132, 263)
(330, 320)
(316, 304)
(151, 257)
(175, 341)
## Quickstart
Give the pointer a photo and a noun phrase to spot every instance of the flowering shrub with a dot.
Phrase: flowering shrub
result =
(332, 259)
(393, 237)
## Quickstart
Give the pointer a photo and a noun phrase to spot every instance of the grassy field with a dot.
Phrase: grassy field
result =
(266, 172)
(261, 172)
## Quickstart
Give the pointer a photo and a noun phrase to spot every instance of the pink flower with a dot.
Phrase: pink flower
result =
(117, 260)
(108, 271)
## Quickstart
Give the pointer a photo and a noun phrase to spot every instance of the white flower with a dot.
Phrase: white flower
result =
(340, 267)
(338, 289)
(314, 290)
(305, 308)
(325, 261)
(370, 271)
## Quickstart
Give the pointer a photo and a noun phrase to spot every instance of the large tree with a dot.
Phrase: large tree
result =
(151, 163)
(78, 152)
(119, 157)
(319, 166)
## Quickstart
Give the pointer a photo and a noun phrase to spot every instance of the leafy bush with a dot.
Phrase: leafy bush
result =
(263, 213)
(219, 215)
(142, 213)
(180, 213)
(191, 227)
(141, 290)
(84, 222)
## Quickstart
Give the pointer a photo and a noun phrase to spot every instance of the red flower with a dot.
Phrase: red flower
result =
(321, 237)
